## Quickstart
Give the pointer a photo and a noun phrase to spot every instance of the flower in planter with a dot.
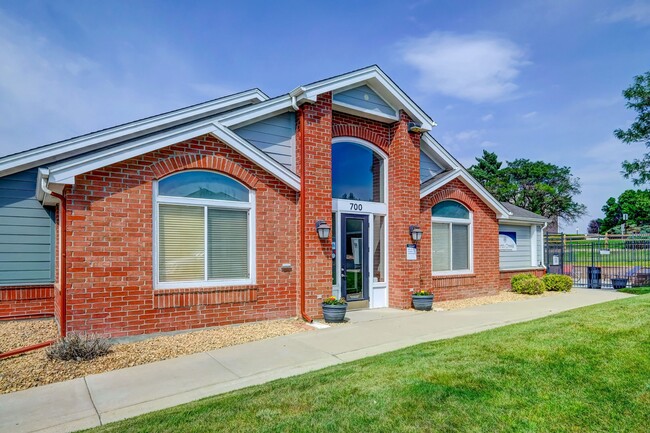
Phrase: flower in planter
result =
(422, 293)
(332, 300)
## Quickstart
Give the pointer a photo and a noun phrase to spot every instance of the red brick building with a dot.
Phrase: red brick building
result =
(210, 215)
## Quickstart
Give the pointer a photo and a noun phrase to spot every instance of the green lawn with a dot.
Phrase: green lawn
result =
(587, 370)
(636, 290)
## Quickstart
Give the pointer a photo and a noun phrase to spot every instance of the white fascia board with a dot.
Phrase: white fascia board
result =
(70, 148)
(255, 113)
(478, 189)
(472, 184)
(438, 183)
(378, 81)
(65, 172)
(436, 148)
(524, 221)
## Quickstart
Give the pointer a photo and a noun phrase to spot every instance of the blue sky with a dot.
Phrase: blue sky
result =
(533, 79)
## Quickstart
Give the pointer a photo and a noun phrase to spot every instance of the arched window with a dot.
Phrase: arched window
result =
(451, 238)
(357, 172)
(204, 230)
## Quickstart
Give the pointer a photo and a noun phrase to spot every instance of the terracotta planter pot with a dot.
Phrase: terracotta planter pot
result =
(334, 313)
(422, 302)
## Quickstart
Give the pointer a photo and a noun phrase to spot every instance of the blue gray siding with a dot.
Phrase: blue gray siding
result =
(274, 136)
(365, 98)
(26, 232)
(522, 257)
(428, 167)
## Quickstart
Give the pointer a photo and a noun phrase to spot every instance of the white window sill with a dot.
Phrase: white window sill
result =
(452, 273)
(204, 284)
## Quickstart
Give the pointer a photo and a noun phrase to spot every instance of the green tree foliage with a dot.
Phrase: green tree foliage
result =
(593, 227)
(638, 99)
(634, 203)
(540, 187)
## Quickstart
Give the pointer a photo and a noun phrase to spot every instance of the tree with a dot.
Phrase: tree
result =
(538, 186)
(593, 227)
(634, 203)
(638, 99)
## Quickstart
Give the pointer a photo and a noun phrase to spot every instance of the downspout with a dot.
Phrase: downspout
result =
(303, 199)
(62, 243)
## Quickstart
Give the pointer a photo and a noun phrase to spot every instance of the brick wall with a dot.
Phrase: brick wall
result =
(110, 248)
(317, 187)
(26, 301)
(485, 279)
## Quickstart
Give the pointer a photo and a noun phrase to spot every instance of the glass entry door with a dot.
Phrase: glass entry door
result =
(354, 257)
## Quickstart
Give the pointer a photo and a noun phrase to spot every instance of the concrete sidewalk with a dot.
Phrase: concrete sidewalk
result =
(103, 398)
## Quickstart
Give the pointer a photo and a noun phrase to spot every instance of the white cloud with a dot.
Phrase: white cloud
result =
(50, 92)
(638, 12)
(487, 117)
(529, 115)
(471, 134)
(476, 67)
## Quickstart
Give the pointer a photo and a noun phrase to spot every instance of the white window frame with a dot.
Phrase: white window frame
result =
(470, 229)
(205, 204)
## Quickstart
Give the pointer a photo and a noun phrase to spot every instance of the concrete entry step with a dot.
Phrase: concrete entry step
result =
(358, 305)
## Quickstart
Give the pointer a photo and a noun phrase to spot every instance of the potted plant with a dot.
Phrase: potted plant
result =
(619, 283)
(422, 300)
(334, 309)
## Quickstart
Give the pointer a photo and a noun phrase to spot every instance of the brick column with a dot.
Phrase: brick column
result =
(317, 184)
(403, 211)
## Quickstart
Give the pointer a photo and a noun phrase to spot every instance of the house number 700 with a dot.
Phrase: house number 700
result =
(356, 206)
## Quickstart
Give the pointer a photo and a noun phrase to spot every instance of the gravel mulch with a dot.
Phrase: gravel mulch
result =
(34, 369)
(484, 300)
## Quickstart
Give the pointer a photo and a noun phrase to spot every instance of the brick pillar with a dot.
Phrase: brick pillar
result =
(403, 211)
(318, 192)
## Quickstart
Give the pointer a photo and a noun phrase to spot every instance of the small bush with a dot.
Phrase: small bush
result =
(557, 283)
(79, 347)
(514, 282)
(530, 286)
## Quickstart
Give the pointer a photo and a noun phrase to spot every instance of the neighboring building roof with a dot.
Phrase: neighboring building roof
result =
(521, 214)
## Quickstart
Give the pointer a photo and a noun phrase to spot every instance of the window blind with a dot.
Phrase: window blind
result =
(181, 244)
(440, 247)
(227, 244)
(460, 247)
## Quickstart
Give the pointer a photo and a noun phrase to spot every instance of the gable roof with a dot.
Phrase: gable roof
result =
(106, 137)
(521, 214)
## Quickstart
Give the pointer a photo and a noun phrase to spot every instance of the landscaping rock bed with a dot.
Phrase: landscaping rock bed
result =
(34, 369)
(484, 300)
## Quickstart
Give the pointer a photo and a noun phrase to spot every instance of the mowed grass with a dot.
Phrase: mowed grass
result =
(586, 370)
(636, 290)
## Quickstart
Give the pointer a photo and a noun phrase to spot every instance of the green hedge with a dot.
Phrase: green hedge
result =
(527, 284)
(558, 283)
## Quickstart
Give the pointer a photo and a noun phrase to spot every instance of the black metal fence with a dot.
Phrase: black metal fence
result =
(593, 261)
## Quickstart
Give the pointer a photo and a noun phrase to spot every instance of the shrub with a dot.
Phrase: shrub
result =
(514, 282)
(530, 286)
(79, 347)
(557, 283)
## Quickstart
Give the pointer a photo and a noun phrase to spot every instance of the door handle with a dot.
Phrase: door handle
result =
(343, 273)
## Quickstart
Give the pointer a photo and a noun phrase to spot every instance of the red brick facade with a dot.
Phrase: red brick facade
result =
(110, 240)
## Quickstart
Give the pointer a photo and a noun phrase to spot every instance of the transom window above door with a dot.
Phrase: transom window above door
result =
(205, 228)
(451, 238)
(358, 172)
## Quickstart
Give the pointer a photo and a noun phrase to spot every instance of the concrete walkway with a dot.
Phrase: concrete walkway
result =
(103, 398)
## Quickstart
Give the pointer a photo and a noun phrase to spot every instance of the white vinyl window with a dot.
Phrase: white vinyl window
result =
(451, 238)
(204, 231)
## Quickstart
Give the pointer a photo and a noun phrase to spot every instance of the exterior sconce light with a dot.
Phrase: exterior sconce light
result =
(323, 229)
(416, 233)
(416, 127)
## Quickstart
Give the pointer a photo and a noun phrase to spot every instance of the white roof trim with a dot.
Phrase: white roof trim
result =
(377, 80)
(471, 183)
(246, 115)
(65, 172)
(73, 147)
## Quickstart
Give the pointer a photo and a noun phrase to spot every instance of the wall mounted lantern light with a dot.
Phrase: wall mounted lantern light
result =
(323, 229)
(416, 127)
(416, 233)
